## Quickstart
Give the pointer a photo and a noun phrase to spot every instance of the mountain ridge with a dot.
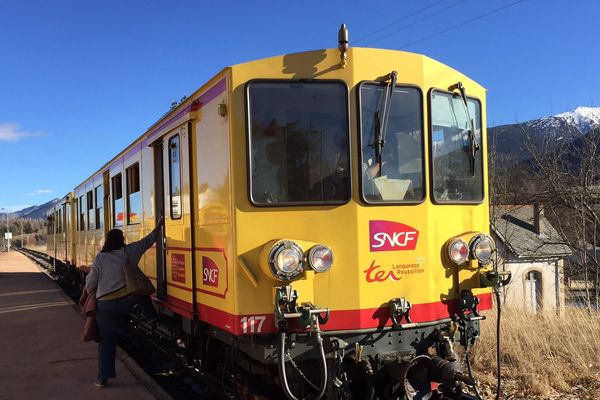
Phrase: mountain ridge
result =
(511, 140)
(33, 212)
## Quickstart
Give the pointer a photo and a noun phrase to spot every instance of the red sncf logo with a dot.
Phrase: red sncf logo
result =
(210, 272)
(392, 236)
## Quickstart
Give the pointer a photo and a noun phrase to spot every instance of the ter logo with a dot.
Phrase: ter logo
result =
(210, 272)
(392, 236)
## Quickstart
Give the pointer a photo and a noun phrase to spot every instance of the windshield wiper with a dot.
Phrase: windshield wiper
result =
(381, 120)
(473, 145)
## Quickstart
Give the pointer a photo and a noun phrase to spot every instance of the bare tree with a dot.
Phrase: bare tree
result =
(565, 167)
(505, 196)
(25, 231)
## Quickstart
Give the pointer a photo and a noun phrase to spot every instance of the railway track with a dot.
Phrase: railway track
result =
(158, 355)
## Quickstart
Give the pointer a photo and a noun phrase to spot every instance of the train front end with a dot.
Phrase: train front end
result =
(363, 231)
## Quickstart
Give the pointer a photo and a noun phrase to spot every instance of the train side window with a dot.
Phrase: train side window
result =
(81, 220)
(134, 195)
(117, 196)
(99, 201)
(90, 210)
(175, 177)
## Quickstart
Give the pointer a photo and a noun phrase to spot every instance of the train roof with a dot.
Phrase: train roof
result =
(302, 65)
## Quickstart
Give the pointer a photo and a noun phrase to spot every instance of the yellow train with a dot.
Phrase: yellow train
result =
(325, 212)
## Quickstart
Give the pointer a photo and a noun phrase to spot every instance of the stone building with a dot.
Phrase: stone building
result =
(533, 251)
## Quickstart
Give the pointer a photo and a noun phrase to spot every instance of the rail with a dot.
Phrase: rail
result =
(47, 264)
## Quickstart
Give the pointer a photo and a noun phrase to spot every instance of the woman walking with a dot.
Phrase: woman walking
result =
(107, 279)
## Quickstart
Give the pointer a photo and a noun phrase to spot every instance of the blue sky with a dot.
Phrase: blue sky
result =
(80, 80)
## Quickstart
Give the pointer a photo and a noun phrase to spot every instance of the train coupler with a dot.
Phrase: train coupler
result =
(468, 318)
(285, 304)
(467, 307)
(312, 316)
(399, 308)
(306, 314)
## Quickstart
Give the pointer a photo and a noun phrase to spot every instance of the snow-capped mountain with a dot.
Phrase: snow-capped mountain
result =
(568, 127)
(583, 119)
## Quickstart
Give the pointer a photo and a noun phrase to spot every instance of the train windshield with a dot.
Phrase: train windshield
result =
(298, 141)
(456, 151)
(394, 174)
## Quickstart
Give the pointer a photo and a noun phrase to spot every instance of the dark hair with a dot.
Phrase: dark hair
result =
(114, 241)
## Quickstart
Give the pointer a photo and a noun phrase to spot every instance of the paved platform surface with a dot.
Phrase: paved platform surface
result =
(41, 354)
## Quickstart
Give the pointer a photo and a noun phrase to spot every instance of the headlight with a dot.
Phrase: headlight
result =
(458, 251)
(320, 258)
(482, 247)
(285, 260)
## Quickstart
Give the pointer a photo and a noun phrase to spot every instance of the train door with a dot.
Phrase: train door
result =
(179, 249)
(174, 269)
(106, 210)
(159, 210)
(63, 233)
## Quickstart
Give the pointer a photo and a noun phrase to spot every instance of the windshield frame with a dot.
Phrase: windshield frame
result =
(423, 149)
(482, 146)
(247, 118)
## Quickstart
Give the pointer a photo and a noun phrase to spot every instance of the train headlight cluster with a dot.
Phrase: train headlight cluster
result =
(285, 260)
(320, 258)
(482, 248)
(458, 251)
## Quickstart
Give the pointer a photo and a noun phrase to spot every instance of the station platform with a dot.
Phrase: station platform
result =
(41, 354)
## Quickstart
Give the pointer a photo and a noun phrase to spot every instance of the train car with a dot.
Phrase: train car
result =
(119, 195)
(326, 222)
(60, 245)
(89, 227)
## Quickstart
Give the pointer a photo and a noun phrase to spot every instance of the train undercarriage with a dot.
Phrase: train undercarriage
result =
(415, 363)
(402, 362)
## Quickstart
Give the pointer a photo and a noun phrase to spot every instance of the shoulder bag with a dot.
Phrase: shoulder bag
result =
(136, 282)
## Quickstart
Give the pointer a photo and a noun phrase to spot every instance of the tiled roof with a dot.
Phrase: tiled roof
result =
(514, 225)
